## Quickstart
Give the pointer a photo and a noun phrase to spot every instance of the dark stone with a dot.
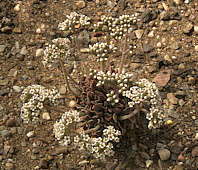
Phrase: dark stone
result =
(11, 122)
(43, 164)
(35, 150)
(4, 92)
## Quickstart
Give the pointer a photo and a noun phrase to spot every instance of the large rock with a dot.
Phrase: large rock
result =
(164, 154)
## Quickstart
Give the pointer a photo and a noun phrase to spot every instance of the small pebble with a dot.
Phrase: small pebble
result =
(178, 2)
(17, 8)
(188, 28)
(139, 33)
(80, 4)
(30, 134)
(17, 89)
(196, 47)
(9, 165)
(38, 30)
(2, 48)
(194, 151)
(181, 158)
(72, 103)
(151, 34)
(196, 29)
(186, 1)
(11, 122)
(46, 116)
(181, 66)
(39, 52)
(196, 136)
(159, 44)
(178, 167)
(149, 163)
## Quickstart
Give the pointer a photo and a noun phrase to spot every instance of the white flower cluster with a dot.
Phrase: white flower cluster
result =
(73, 21)
(102, 50)
(99, 147)
(117, 27)
(59, 49)
(33, 97)
(146, 91)
(61, 130)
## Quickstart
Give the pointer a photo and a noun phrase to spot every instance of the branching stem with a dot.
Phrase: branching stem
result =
(66, 79)
(124, 51)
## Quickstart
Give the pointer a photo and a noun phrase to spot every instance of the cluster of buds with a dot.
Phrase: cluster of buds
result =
(102, 50)
(74, 21)
(58, 50)
(33, 98)
(117, 27)
(99, 147)
(122, 80)
(145, 91)
(112, 97)
(131, 48)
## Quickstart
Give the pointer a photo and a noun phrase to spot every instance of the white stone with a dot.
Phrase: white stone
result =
(186, 1)
(72, 103)
(17, 8)
(151, 34)
(196, 28)
(149, 163)
(38, 30)
(196, 47)
(46, 116)
(30, 134)
(17, 89)
(80, 4)
(159, 44)
(139, 33)
(196, 136)
(178, 2)
(39, 52)
(97, 1)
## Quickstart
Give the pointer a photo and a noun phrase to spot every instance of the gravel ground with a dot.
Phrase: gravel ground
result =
(166, 42)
